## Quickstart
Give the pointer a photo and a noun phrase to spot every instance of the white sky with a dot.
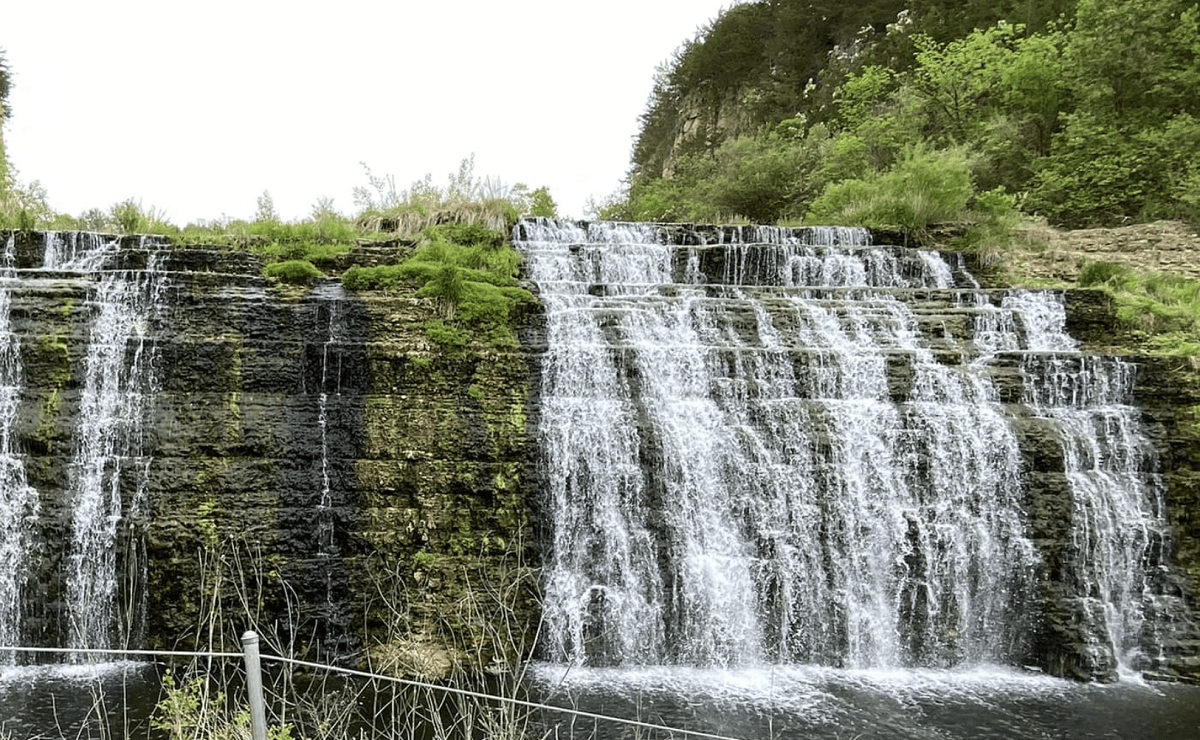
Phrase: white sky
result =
(196, 108)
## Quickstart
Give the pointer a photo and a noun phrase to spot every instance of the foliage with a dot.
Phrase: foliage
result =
(5, 88)
(23, 207)
(465, 199)
(294, 272)
(541, 204)
(468, 270)
(265, 208)
(924, 187)
(1097, 273)
(1101, 175)
(1163, 308)
(1136, 59)
(1086, 115)
(190, 710)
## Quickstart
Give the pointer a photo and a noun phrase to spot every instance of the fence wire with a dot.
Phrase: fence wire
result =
(491, 714)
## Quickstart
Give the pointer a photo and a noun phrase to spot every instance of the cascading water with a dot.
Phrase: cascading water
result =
(19, 505)
(1118, 527)
(756, 452)
(327, 549)
(109, 467)
(331, 384)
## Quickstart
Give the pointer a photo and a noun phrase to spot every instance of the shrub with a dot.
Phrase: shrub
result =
(1098, 273)
(295, 272)
(923, 188)
(191, 710)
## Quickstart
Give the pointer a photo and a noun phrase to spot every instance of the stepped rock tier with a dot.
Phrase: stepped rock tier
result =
(305, 463)
(715, 446)
(765, 445)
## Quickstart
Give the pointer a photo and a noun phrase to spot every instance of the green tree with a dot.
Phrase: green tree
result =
(1129, 150)
(265, 208)
(5, 113)
(1136, 61)
(541, 204)
(5, 86)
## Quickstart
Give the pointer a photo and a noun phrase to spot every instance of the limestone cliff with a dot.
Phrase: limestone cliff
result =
(318, 469)
(314, 466)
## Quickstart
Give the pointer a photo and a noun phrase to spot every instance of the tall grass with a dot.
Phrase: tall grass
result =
(465, 199)
(1159, 309)
(923, 188)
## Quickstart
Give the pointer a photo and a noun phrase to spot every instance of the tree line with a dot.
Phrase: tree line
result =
(1082, 112)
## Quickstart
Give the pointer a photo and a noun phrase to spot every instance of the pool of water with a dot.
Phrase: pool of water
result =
(106, 700)
(813, 702)
(115, 700)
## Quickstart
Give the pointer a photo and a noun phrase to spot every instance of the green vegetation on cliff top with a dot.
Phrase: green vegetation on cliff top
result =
(470, 270)
(1159, 311)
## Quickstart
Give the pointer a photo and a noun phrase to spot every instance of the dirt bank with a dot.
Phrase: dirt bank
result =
(1046, 254)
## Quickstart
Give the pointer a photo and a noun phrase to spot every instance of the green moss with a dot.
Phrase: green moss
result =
(462, 541)
(510, 515)
(475, 391)
(206, 515)
(445, 336)
(55, 345)
(469, 271)
(424, 559)
(516, 416)
(48, 417)
(293, 272)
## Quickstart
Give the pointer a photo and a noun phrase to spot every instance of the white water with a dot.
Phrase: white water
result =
(19, 504)
(331, 377)
(109, 467)
(1117, 492)
(731, 481)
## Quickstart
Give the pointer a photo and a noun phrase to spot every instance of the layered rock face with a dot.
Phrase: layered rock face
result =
(310, 464)
(817, 450)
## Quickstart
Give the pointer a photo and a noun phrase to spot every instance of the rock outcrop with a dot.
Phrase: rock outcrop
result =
(315, 466)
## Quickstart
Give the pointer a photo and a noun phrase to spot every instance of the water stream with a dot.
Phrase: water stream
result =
(19, 504)
(109, 469)
(785, 453)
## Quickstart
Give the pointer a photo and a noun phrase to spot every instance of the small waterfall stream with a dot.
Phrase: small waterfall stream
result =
(107, 446)
(19, 504)
(762, 448)
(327, 380)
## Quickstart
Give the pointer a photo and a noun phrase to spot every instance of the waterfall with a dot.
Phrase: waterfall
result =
(331, 378)
(19, 505)
(766, 445)
(109, 468)
(329, 381)
(1117, 520)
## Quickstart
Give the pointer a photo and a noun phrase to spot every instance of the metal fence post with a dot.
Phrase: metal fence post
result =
(254, 690)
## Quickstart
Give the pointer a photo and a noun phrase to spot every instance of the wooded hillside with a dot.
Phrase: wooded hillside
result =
(907, 113)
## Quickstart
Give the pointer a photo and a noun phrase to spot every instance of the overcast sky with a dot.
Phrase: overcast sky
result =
(197, 108)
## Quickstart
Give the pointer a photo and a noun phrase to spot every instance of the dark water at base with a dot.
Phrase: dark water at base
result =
(780, 703)
(811, 703)
(110, 700)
